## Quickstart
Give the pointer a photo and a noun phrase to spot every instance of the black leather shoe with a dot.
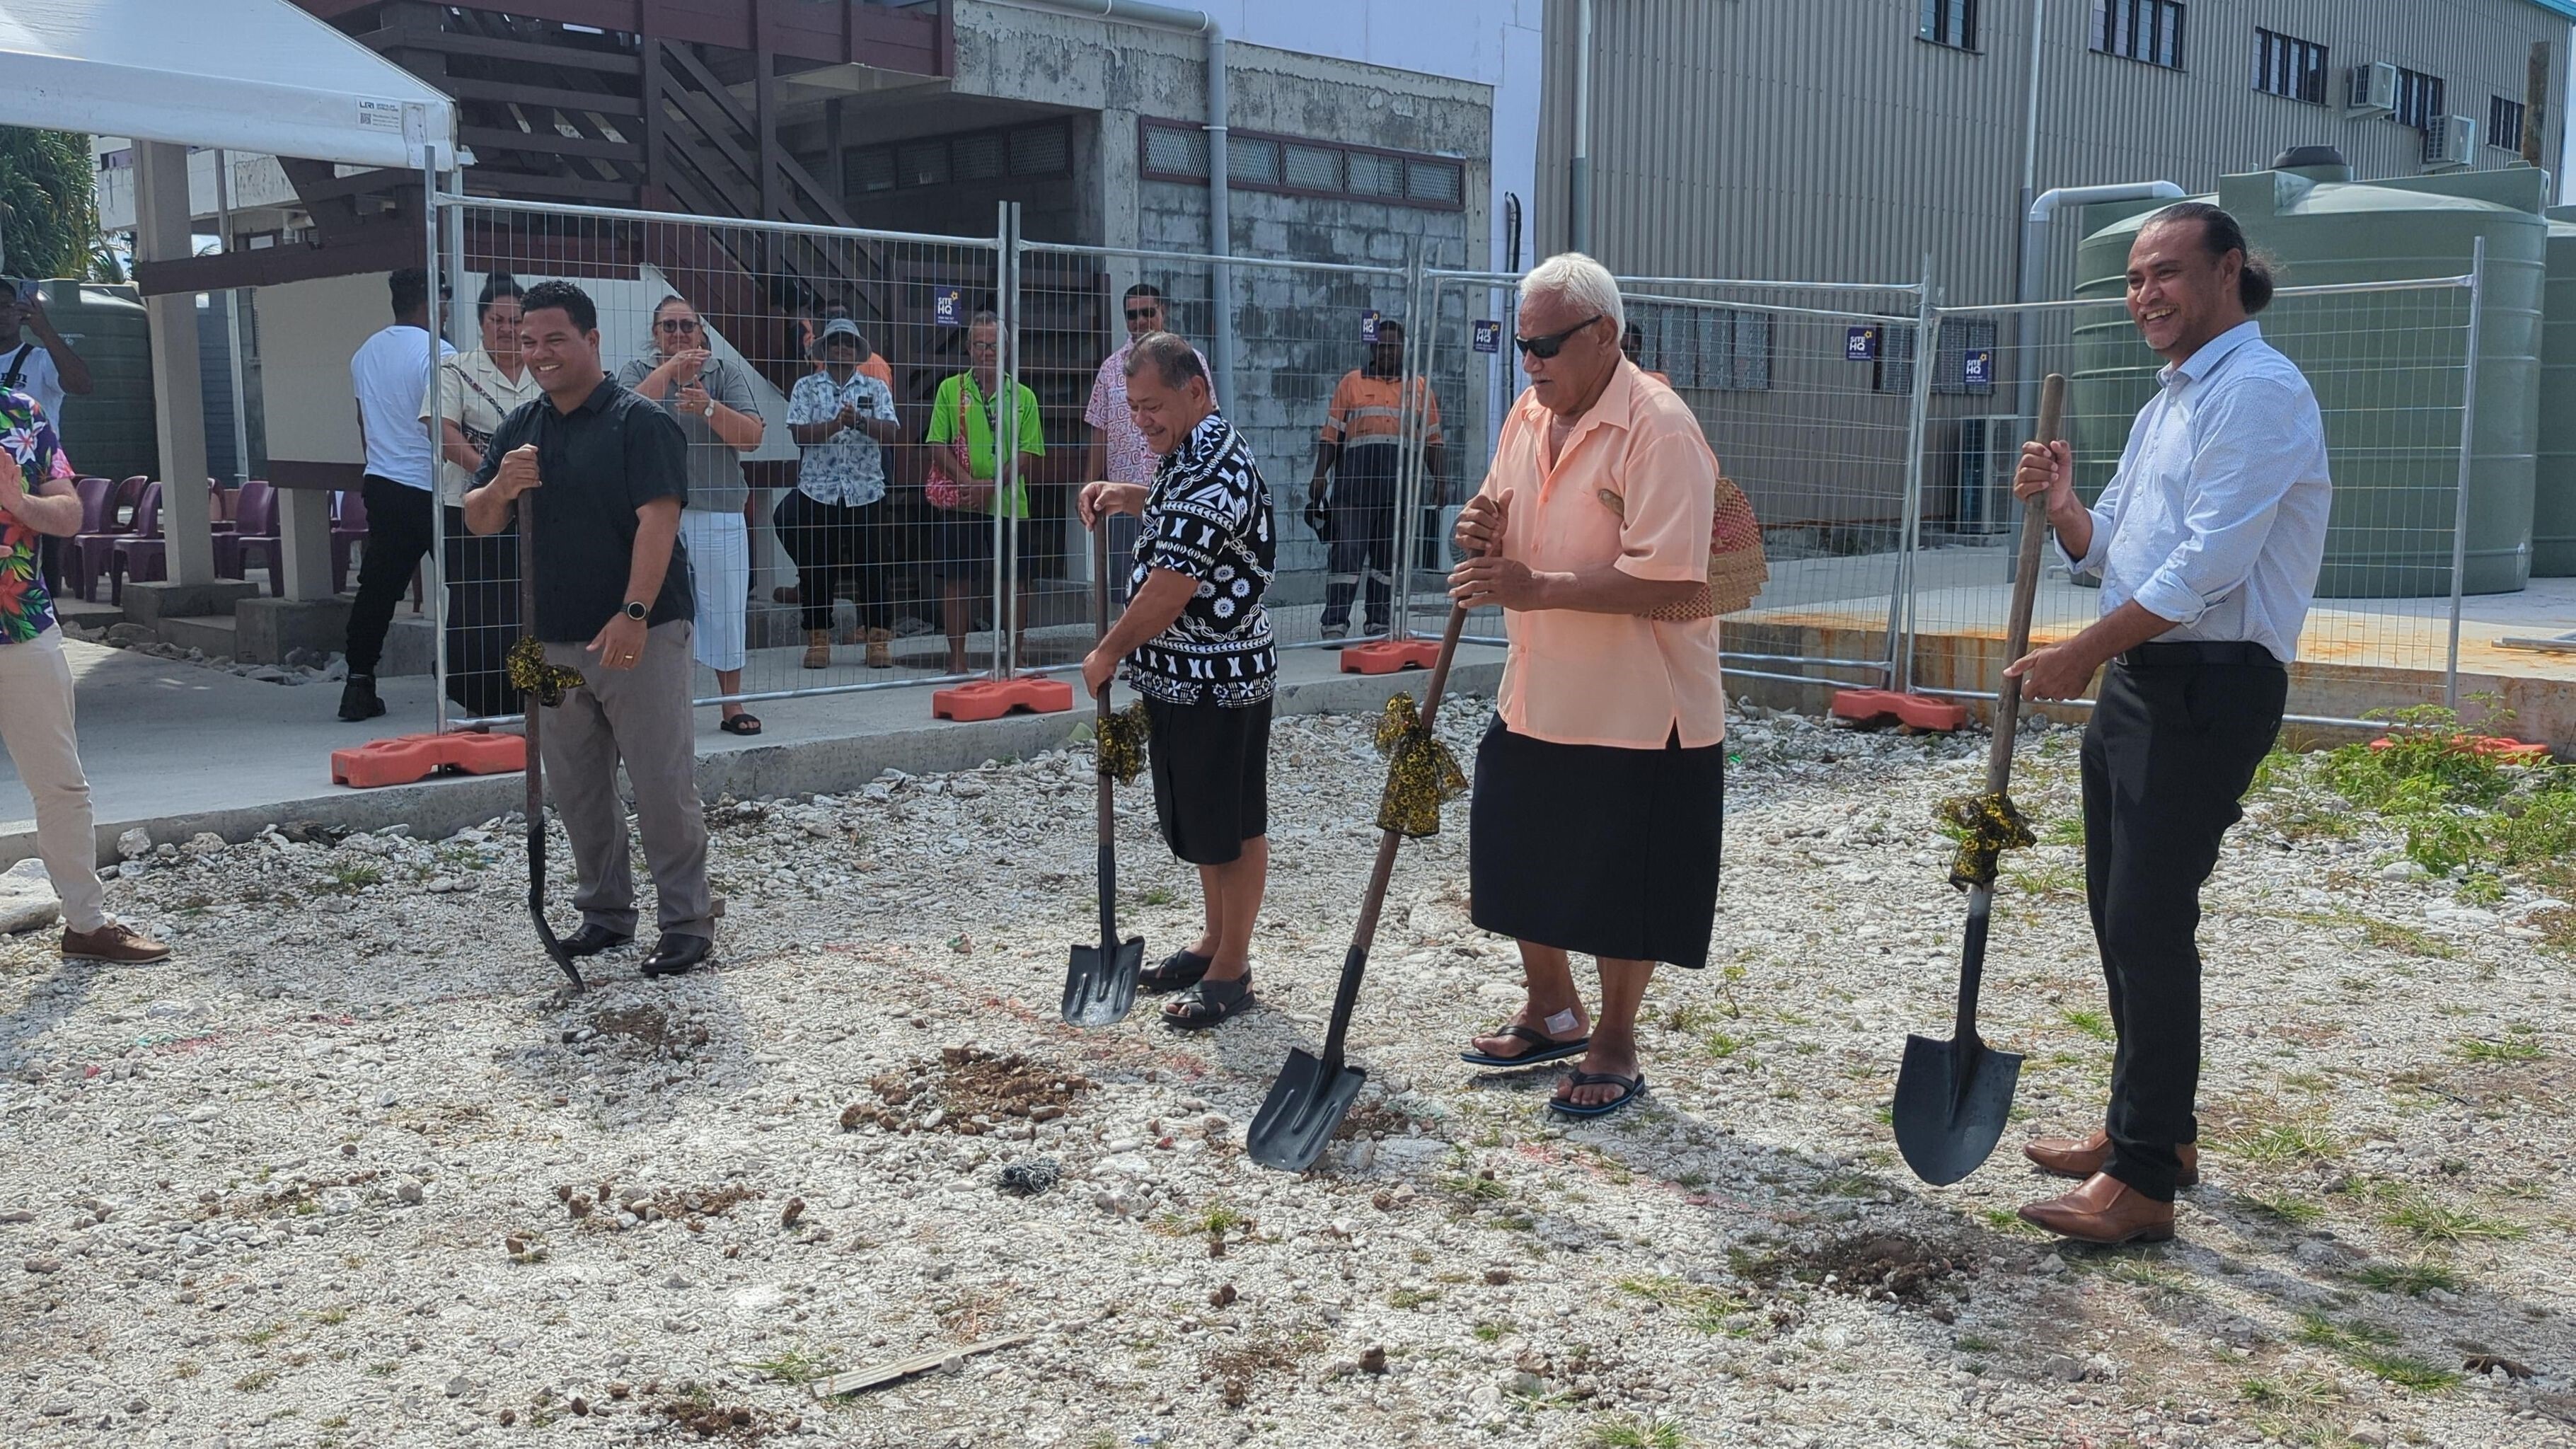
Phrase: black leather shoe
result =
(592, 939)
(675, 953)
(358, 699)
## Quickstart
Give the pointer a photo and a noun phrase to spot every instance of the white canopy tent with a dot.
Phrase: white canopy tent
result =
(235, 75)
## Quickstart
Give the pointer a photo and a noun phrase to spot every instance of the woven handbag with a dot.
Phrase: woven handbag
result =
(1736, 568)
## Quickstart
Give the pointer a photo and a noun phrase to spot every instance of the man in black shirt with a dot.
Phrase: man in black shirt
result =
(606, 472)
(1196, 644)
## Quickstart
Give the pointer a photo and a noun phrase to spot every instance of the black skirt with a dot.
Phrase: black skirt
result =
(1597, 850)
(1211, 768)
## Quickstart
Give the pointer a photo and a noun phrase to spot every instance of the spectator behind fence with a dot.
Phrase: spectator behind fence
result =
(45, 368)
(476, 391)
(965, 417)
(1363, 448)
(871, 362)
(720, 417)
(1119, 452)
(832, 523)
(607, 472)
(391, 374)
(36, 688)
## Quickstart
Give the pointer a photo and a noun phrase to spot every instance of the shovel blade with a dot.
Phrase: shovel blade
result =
(1304, 1107)
(1952, 1100)
(1100, 982)
(547, 938)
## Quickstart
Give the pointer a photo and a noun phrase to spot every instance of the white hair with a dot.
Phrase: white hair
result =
(1579, 280)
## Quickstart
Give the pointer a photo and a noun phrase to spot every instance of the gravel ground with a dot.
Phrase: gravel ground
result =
(349, 1172)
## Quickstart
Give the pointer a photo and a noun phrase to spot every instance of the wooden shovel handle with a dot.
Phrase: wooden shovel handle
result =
(2034, 532)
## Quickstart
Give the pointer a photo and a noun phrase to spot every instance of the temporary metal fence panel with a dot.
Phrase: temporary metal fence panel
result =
(820, 563)
(1806, 394)
(1302, 336)
(2389, 363)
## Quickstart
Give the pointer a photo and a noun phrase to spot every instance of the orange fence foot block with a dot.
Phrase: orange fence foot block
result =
(1913, 711)
(1390, 655)
(994, 698)
(405, 759)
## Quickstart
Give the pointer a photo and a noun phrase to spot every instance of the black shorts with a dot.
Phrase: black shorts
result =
(962, 544)
(1211, 767)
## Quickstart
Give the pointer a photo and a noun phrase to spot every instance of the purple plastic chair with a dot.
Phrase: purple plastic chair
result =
(144, 551)
(86, 560)
(254, 533)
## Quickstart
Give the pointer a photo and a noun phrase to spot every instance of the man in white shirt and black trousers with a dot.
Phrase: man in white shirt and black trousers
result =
(390, 373)
(2207, 541)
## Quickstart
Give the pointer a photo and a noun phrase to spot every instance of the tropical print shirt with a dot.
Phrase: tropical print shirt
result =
(1208, 516)
(26, 610)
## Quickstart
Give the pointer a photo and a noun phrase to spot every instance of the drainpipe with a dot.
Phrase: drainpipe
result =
(1578, 172)
(1220, 221)
(2034, 246)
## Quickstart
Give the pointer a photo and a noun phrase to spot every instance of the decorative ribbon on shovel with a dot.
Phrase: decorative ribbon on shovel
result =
(1992, 826)
(1421, 773)
(1119, 739)
(530, 673)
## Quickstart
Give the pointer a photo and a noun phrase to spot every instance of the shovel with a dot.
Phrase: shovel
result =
(1100, 981)
(535, 712)
(1953, 1097)
(1313, 1093)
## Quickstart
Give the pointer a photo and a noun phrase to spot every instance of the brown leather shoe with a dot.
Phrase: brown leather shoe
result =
(2084, 1156)
(115, 942)
(2103, 1210)
(818, 649)
(880, 648)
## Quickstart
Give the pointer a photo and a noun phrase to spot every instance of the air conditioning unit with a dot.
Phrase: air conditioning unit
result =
(2451, 143)
(2373, 90)
(1988, 454)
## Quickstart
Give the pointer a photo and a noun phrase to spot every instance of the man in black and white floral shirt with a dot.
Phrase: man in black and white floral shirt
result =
(1195, 643)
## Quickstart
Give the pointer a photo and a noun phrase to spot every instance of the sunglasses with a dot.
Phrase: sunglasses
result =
(1140, 314)
(677, 324)
(1554, 342)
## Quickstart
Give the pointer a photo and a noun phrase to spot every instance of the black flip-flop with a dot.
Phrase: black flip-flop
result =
(1208, 1003)
(740, 724)
(1177, 971)
(1543, 1048)
(1633, 1087)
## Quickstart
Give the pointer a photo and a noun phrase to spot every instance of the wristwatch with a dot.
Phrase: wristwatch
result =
(637, 611)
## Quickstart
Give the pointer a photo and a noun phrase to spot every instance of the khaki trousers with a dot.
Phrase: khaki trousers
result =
(639, 716)
(36, 727)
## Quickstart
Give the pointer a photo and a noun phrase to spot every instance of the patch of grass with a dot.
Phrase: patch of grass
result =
(1411, 1297)
(383, 1370)
(1723, 1045)
(255, 1380)
(263, 1335)
(1476, 1188)
(2066, 830)
(1976, 1343)
(2282, 1207)
(2351, 1335)
(1490, 1330)
(349, 877)
(2095, 1024)
(2148, 1274)
(795, 1366)
(332, 1317)
(1703, 1307)
(1154, 896)
(2406, 1372)
(186, 1368)
(1652, 1432)
(2059, 879)
(2516, 1045)
(2430, 1220)
(2307, 1391)
(2413, 1279)
(2285, 1142)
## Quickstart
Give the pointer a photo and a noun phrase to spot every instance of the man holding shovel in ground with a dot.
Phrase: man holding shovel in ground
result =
(1196, 644)
(607, 470)
(2207, 541)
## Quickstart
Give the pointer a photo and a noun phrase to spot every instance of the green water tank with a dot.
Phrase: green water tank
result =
(2386, 367)
(2553, 493)
(111, 432)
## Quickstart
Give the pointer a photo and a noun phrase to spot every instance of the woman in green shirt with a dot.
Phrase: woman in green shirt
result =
(965, 416)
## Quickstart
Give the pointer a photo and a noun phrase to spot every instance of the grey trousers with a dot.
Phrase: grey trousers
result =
(641, 716)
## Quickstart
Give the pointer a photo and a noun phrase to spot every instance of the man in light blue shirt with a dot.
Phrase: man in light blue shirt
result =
(2207, 541)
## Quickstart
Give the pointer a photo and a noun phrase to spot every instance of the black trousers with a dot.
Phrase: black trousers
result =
(2173, 744)
(839, 549)
(399, 520)
(1363, 505)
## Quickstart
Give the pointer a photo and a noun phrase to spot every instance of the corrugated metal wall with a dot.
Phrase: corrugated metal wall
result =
(1821, 140)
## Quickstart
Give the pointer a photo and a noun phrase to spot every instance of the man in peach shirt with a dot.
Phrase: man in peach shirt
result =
(1594, 826)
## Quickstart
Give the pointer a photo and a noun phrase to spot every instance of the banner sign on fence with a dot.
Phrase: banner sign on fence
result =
(1368, 325)
(1978, 370)
(1860, 344)
(1489, 337)
(948, 306)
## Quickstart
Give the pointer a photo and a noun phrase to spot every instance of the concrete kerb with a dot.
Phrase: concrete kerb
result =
(829, 765)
